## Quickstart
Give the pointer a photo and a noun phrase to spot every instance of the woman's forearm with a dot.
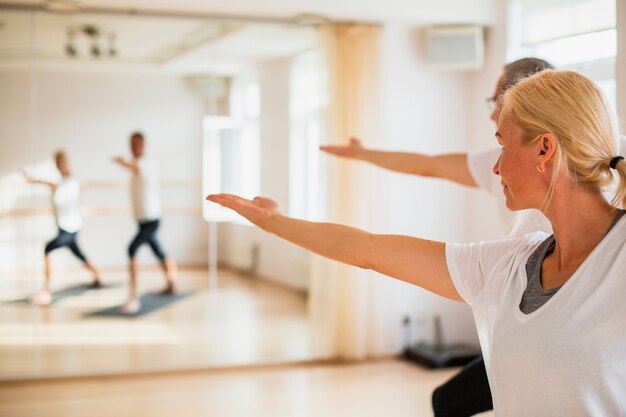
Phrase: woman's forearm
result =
(417, 261)
(341, 243)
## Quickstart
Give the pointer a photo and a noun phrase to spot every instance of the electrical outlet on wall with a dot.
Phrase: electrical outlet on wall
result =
(417, 327)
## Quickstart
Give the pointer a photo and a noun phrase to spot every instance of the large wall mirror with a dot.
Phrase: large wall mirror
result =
(226, 106)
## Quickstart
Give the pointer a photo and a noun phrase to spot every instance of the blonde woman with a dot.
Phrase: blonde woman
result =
(548, 308)
(66, 204)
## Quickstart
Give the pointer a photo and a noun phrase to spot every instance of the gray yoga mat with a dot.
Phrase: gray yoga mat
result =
(72, 291)
(149, 303)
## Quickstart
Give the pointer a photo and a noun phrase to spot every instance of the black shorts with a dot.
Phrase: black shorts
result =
(147, 234)
(66, 239)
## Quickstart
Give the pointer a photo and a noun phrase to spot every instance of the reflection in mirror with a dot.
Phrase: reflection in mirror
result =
(223, 106)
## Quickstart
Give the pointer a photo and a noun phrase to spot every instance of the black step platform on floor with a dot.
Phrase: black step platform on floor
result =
(441, 356)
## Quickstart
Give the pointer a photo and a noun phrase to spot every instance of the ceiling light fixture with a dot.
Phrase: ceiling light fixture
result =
(70, 49)
(112, 50)
(94, 35)
(64, 5)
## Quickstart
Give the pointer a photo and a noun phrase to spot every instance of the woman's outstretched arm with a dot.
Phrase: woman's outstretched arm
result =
(417, 261)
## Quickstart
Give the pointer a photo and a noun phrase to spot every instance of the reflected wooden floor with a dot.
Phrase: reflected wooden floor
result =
(385, 388)
(244, 321)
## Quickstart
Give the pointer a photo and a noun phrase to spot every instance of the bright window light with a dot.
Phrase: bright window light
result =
(232, 151)
(308, 100)
(571, 34)
(580, 48)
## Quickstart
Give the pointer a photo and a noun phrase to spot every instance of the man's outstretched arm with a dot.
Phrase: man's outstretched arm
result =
(453, 167)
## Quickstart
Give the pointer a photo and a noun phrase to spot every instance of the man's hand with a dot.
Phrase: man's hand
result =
(120, 161)
(130, 165)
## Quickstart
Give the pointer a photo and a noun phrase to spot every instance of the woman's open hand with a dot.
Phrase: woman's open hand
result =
(258, 211)
(353, 150)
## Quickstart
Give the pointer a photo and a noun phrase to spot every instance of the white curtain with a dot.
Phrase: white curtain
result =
(352, 310)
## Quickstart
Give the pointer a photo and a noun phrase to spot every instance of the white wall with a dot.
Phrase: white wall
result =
(481, 130)
(279, 261)
(431, 111)
(91, 116)
(425, 112)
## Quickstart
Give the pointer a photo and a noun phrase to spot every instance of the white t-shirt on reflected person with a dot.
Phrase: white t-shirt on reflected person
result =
(145, 190)
(66, 203)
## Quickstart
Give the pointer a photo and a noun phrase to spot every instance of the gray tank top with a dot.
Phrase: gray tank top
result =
(535, 295)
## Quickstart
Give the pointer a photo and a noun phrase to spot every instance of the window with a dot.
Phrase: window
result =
(231, 151)
(308, 100)
(575, 34)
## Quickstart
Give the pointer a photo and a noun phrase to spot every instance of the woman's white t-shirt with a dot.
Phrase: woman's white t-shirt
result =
(66, 203)
(145, 190)
(568, 358)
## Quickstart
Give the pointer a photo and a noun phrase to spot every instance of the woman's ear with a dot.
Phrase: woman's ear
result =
(546, 151)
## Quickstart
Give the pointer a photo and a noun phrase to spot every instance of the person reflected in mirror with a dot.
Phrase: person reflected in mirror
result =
(146, 204)
(548, 308)
(66, 204)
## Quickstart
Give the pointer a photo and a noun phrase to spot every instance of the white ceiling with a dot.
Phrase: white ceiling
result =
(147, 43)
(414, 11)
(194, 44)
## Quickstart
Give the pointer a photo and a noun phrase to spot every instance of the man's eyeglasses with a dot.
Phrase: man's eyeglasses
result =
(492, 102)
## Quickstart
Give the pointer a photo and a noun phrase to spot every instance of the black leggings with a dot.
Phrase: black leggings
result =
(147, 233)
(66, 239)
(465, 394)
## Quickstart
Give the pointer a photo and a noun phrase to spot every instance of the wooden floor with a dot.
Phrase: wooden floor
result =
(376, 389)
(243, 321)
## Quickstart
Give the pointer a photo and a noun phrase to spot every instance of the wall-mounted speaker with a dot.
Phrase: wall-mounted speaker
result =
(455, 48)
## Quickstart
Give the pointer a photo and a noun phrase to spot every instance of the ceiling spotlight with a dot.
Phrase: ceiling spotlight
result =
(96, 47)
(91, 31)
(95, 50)
(70, 49)
(112, 50)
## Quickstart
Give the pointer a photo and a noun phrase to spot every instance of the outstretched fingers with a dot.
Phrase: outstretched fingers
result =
(256, 210)
(343, 150)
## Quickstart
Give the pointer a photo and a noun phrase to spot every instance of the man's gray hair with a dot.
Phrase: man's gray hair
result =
(522, 68)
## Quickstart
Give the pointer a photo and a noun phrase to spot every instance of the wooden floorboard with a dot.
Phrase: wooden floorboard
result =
(243, 321)
(383, 388)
